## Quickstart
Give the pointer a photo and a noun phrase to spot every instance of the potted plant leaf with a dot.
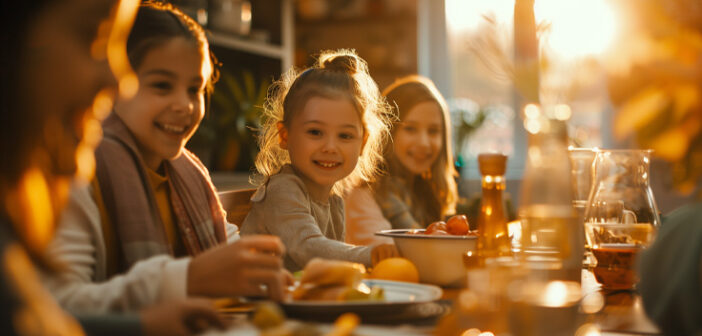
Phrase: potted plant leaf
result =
(226, 139)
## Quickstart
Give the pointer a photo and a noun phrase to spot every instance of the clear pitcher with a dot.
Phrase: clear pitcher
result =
(621, 216)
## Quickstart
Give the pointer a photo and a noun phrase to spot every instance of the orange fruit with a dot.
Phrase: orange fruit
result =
(397, 269)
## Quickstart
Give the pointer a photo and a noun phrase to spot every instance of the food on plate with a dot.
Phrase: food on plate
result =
(334, 280)
(397, 269)
(345, 324)
(437, 228)
(322, 272)
(270, 320)
(267, 315)
(456, 226)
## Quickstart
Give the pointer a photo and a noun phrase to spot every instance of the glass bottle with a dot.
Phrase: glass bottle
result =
(494, 238)
(551, 239)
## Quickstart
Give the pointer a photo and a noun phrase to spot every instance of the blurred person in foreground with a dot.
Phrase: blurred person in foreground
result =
(656, 85)
(55, 77)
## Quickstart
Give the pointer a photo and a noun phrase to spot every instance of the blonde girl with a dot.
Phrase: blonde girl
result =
(150, 228)
(322, 132)
(418, 185)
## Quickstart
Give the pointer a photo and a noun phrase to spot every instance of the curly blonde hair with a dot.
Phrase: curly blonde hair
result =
(336, 74)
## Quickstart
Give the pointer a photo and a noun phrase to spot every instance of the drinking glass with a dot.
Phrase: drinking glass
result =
(581, 160)
(621, 216)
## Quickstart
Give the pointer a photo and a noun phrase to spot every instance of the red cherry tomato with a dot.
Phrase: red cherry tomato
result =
(458, 225)
(439, 233)
(440, 225)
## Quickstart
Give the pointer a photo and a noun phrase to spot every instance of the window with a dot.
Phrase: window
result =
(573, 36)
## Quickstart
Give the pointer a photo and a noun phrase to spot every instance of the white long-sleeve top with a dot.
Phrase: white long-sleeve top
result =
(83, 287)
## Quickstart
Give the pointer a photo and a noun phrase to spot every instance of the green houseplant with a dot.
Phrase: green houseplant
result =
(226, 139)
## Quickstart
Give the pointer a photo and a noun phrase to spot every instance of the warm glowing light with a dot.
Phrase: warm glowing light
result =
(562, 112)
(556, 294)
(117, 48)
(592, 303)
(532, 111)
(577, 27)
(464, 15)
(102, 104)
(246, 12)
(471, 332)
(92, 132)
(560, 294)
(487, 333)
(35, 209)
(588, 329)
(532, 126)
(85, 162)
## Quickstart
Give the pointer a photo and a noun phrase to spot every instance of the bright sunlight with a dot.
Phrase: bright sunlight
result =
(577, 27)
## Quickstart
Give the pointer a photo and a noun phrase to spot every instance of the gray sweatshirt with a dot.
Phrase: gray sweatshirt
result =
(308, 228)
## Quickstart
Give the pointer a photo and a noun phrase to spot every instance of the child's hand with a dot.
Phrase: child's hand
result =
(383, 251)
(251, 266)
(189, 317)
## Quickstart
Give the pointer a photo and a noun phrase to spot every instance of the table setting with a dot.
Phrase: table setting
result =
(484, 281)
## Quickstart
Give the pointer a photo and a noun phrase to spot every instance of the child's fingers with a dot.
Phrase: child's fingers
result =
(263, 243)
(384, 251)
(272, 284)
(256, 259)
(289, 279)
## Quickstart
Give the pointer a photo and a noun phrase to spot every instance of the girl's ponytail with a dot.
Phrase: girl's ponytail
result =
(340, 63)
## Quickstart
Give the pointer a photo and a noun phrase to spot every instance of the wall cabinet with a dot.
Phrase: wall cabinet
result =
(248, 64)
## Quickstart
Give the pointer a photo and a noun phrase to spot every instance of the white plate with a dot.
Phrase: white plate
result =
(247, 329)
(399, 296)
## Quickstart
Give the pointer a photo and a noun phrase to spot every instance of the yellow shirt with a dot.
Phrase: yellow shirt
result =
(159, 184)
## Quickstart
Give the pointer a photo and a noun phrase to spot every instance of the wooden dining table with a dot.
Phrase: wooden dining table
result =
(622, 313)
(618, 313)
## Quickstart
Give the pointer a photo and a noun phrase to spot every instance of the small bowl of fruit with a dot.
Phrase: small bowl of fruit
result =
(438, 250)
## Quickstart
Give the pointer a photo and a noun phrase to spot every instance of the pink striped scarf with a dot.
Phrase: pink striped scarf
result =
(131, 205)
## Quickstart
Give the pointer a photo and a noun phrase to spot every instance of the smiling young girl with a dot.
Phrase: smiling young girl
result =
(418, 186)
(150, 227)
(322, 132)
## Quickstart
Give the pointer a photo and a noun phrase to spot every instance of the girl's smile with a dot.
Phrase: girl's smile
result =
(172, 129)
(324, 140)
(327, 164)
(418, 138)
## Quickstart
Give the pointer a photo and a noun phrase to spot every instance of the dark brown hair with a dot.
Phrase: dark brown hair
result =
(157, 23)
